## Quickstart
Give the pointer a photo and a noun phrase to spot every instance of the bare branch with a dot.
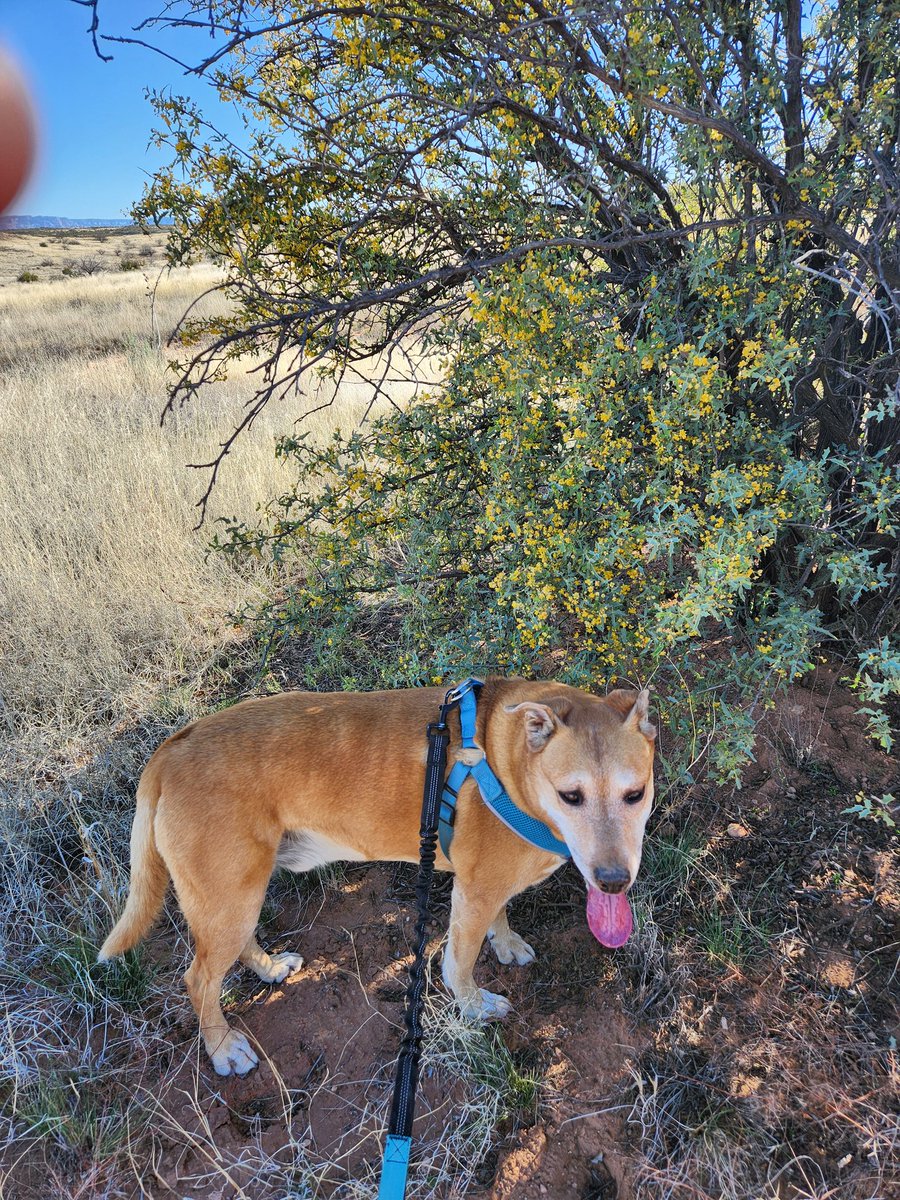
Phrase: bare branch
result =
(94, 26)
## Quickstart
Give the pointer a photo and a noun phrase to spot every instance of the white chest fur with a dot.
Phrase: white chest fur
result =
(302, 851)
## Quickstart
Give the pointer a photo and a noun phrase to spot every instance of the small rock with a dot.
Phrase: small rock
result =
(737, 831)
(724, 1022)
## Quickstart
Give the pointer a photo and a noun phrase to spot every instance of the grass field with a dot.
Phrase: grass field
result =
(108, 594)
(110, 597)
(742, 1047)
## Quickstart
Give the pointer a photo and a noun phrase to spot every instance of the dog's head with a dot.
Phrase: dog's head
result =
(587, 765)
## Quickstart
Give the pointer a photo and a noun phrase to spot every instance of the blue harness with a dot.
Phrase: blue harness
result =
(492, 790)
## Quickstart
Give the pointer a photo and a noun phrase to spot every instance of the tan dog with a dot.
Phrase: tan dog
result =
(303, 779)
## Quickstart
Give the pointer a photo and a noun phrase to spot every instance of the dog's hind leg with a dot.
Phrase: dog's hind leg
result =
(218, 943)
(271, 968)
(506, 944)
(471, 913)
(221, 898)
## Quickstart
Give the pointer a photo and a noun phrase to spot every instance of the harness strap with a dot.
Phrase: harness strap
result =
(467, 711)
(503, 806)
(455, 780)
(493, 793)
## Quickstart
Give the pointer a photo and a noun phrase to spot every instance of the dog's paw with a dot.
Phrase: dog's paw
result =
(486, 1006)
(512, 949)
(281, 966)
(234, 1055)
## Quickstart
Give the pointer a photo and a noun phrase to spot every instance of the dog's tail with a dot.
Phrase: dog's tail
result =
(149, 874)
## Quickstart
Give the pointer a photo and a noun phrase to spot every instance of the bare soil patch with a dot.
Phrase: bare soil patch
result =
(333, 1031)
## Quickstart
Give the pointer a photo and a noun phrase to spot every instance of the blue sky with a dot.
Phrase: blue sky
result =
(95, 121)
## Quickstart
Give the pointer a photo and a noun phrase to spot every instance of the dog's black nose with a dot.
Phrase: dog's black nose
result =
(612, 879)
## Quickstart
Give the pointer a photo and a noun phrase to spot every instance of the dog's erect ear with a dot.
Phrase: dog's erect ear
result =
(635, 708)
(640, 713)
(541, 720)
(561, 706)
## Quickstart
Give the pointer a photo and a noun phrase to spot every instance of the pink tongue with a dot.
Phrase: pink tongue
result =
(609, 917)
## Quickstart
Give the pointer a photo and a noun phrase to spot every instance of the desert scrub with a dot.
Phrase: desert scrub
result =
(636, 241)
(594, 497)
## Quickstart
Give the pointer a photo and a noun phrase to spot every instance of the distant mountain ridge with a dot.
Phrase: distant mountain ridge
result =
(15, 221)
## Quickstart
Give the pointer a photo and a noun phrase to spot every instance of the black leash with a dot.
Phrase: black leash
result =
(395, 1163)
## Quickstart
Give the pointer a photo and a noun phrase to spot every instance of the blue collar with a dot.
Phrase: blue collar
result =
(494, 795)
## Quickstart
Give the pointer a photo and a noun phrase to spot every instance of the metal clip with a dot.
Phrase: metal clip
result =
(461, 689)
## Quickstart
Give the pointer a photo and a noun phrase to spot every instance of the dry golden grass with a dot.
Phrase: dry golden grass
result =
(89, 317)
(112, 618)
(108, 597)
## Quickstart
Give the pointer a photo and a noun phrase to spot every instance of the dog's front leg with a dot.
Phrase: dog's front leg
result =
(472, 912)
(506, 943)
(270, 968)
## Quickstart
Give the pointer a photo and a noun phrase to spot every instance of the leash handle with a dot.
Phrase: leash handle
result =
(395, 1162)
(394, 1168)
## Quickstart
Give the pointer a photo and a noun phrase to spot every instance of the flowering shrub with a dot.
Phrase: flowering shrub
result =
(657, 246)
(589, 497)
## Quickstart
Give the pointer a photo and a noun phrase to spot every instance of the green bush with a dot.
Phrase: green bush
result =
(593, 504)
(27, 277)
(657, 253)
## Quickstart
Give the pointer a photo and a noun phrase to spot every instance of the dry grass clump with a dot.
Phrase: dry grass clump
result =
(792, 1094)
(749, 1126)
(108, 598)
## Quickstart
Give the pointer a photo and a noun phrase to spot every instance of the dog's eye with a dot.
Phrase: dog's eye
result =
(634, 797)
(574, 798)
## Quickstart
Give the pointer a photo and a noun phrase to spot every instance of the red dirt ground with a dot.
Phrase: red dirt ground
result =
(795, 1036)
(333, 1032)
(743, 1047)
